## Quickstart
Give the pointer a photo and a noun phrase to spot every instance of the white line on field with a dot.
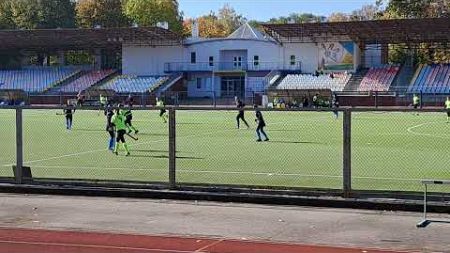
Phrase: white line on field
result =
(137, 144)
(228, 172)
(410, 130)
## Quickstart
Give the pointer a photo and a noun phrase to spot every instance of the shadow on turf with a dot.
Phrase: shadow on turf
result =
(167, 157)
(149, 134)
(296, 142)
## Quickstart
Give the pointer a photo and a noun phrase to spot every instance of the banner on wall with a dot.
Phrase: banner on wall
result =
(336, 56)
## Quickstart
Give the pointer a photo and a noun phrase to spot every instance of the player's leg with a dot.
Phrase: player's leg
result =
(448, 116)
(245, 122)
(264, 133)
(111, 140)
(130, 126)
(67, 122)
(162, 115)
(120, 137)
(258, 129)
(237, 120)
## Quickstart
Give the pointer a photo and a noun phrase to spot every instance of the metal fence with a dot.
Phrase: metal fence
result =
(360, 150)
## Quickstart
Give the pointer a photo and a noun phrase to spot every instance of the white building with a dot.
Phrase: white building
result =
(238, 64)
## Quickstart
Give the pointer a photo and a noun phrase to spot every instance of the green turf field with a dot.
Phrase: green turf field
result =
(390, 151)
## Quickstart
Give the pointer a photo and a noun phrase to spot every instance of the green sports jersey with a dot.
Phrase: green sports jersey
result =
(103, 99)
(416, 100)
(447, 104)
(160, 103)
(119, 122)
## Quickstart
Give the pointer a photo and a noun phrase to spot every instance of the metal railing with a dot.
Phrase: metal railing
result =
(383, 150)
(229, 66)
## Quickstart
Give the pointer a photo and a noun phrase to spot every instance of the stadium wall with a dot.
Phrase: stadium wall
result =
(306, 53)
(145, 61)
(266, 50)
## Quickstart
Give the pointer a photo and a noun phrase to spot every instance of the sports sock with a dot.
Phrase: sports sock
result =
(116, 147)
(126, 147)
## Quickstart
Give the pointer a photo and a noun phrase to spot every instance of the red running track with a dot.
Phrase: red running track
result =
(44, 241)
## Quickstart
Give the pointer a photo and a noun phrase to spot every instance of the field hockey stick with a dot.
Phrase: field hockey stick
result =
(132, 137)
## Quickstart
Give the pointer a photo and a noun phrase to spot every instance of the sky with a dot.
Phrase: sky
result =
(263, 10)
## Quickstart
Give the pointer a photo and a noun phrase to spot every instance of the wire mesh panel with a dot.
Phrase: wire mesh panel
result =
(304, 149)
(395, 150)
(8, 142)
(55, 150)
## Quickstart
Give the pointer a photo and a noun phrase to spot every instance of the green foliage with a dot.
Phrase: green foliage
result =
(150, 12)
(106, 13)
(298, 18)
(6, 21)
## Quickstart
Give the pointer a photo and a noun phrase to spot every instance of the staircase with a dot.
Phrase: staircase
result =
(54, 89)
(174, 78)
(403, 79)
(105, 80)
(355, 81)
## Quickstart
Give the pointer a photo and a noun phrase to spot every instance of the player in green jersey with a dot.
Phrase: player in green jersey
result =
(118, 120)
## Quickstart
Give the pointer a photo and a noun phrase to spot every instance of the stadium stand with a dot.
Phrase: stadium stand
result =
(135, 84)
(379, 78)
(35, 79)
(433, 78)
(303, 81)
(87, 80)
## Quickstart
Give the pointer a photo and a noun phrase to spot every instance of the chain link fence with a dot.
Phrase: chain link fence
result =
(8, 142)
(304, 150)
(367, 150)
(55, 150)
(393, 151)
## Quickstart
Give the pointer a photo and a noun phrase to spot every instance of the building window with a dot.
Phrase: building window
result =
(193, 57)
(292, 60)
(199, 83)
(211, 61)
(256, 60)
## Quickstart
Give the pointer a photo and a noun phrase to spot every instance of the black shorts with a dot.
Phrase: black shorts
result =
(128, 120)
(240, 115)
(448, 112)
(121, 136)
(69, 117)
(162, 112)
(416, 106)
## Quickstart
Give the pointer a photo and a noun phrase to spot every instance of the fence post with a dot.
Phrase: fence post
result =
(172, 149)
(19, 146)
(347, 171)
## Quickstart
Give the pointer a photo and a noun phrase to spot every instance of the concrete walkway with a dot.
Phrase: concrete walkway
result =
(315, 226)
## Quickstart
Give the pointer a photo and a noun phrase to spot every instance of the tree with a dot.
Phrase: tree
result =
(106, 13)
(229, 19)
(24, 14)
(367, 12)
(298, 18)
(56, 14)
(338, 17)
(150, 12)
(6, 21)
(209, 26)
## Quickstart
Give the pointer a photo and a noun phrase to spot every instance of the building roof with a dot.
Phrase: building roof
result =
(51, 39)
(370, 32)
(246, 31)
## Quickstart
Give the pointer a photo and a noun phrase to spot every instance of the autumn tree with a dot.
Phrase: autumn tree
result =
(150, 12)
(106, 13)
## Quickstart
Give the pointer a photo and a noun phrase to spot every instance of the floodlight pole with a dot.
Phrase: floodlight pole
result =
(172, 149)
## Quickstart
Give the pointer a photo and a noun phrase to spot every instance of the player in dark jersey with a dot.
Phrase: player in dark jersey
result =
(128, 118)
(68, 111)
(261, 124)
(109, 113)
(240, 105)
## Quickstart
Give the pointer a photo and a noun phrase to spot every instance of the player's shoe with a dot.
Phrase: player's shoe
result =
(258, 140)
(136, 132)
(266, 139)
(116, 153)
(128, 154)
